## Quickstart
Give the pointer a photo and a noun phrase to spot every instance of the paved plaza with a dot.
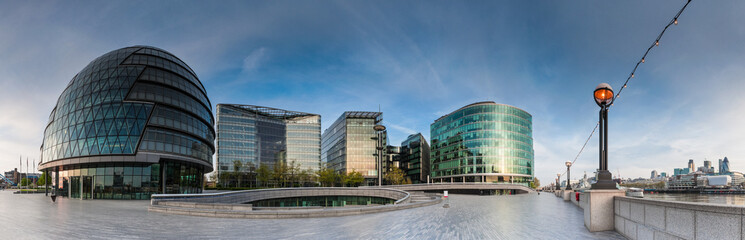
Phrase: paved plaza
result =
(527, 216)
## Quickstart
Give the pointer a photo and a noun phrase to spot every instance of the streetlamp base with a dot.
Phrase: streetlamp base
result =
(605, 181)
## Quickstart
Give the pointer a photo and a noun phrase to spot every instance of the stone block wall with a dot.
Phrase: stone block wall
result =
(639, 218)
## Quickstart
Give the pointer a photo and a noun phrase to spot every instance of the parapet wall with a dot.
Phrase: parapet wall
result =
(640, 218)
(240, 197)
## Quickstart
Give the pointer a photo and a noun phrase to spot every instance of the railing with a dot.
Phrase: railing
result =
(7, 180)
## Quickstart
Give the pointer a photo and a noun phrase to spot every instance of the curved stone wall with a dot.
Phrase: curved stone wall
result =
(231, 204)
(240, 197)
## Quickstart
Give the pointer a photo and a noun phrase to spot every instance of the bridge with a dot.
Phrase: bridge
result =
(7, 180)
(481, 188)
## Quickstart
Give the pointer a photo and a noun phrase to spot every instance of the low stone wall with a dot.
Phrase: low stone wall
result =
(297, 213)
(239, 197)
(232, 204)
(640, 218)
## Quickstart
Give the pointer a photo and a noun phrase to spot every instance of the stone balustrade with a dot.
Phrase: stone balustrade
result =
(640, 218)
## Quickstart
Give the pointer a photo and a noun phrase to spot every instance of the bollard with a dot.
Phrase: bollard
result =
(447, 200)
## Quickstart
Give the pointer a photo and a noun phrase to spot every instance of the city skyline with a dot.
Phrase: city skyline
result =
(417, 63)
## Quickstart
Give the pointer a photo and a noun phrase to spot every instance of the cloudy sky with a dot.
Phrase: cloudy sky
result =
(417, 60)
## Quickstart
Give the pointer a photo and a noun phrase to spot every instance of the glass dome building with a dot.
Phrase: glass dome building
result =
(134, 122)
(483, 142)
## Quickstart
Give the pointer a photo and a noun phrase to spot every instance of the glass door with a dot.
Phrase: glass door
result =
(75, 187)
(87, 189)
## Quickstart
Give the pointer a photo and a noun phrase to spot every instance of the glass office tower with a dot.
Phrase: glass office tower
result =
(134, 122)
(349, 144)
(248, 136)
(483, 142)
(414, 158)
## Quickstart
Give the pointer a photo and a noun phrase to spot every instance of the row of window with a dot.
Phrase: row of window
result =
(159, 140)
(172, 58)
(160, 94)
(494, 109)
(172, 118)
(479, 143)
(175, 81)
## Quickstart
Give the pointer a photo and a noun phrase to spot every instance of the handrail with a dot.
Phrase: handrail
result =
(7, 180)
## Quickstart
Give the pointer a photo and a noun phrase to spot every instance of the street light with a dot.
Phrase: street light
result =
(558, 185)
(604, 98)
(569, 164)
(379, 148)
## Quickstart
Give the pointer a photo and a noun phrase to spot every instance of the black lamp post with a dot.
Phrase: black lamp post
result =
(604, 98)
(558, 185)
(379, 150)
(569, 185)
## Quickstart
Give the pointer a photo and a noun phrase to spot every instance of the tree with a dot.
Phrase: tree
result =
(355, 178)
(237, 165)
(395, 176)
(24, 182)
(279, 172)
(536, 183)
(327, 177)
(264, 174)
(44, 179)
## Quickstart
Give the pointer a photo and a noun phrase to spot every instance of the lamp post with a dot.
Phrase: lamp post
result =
(379, 150)
(604, 98)
(558, 185)
(569, 185)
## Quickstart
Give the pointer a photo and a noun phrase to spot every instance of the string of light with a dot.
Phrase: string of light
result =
(656, 43)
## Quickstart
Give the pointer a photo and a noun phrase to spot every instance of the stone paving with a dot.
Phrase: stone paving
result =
(527, 216)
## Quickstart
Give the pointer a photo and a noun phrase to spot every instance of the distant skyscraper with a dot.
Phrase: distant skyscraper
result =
(663, 174)
(724, 166)
(691, 166)
(677, 171)
(654, 174)
(720, 166)
(707, 164)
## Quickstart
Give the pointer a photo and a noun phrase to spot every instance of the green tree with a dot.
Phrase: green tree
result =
(536, 183)
(354, 179)
(25, 182)
(237, 174)
(263, 174)
(279, 172)
(327, 177)
(44, 179)
(396, 176)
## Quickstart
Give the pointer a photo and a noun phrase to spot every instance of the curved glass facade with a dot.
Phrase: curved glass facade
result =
(483, 142)
(135, 107)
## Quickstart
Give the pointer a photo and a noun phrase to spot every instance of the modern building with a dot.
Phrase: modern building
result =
(663, 175)
(249, 136)
(678, 171)
(708, 168)
(654, 174)
(691, 166)
(414, 158)
(350, 143)
(724, 166)
(135, 121)
(483, 142)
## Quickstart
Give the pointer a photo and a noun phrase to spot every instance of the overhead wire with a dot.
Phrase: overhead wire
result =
(643, 59)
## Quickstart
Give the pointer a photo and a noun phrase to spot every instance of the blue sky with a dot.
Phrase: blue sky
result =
(417, 60)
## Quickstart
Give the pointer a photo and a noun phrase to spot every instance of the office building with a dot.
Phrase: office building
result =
(414, 158)
(249, 136)
(654, 174)
(483, 142)
(691, 166)
(350, 144)
(708, 168)
(724, 166)
(663, 174)
(135, 121)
